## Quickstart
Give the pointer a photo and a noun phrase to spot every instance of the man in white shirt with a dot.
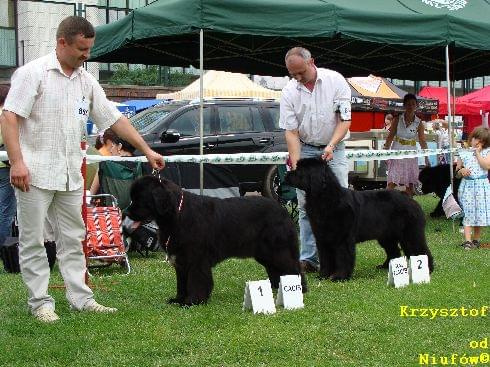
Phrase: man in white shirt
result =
(316, 113)
(44, 120)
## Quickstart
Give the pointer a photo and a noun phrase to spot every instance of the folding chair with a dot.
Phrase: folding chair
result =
(287, 194)
(104, 239)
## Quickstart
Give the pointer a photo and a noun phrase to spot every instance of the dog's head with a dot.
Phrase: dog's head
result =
(312, 175)
(434, 179)
(153, 199)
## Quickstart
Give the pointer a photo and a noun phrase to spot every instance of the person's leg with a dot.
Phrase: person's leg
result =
(32, 207)
(69, 229)
(467, 233)
(409, 190)
(65, 215)
(308, 251)
(476, 236)
(340, 165)
(7, 205)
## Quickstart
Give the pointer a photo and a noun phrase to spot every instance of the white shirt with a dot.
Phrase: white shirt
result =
(53, 110)
(314, 113)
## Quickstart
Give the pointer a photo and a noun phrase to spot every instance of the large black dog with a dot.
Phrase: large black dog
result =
(199, 232)
(436, 179)
(340, 218)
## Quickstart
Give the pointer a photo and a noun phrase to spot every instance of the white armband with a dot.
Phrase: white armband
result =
(344, 108)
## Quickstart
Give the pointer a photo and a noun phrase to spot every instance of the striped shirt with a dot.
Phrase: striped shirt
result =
(53, 109)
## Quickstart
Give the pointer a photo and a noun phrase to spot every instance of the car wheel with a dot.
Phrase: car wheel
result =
(271, 183)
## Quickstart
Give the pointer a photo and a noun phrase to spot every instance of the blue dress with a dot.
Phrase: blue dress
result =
(474, 191)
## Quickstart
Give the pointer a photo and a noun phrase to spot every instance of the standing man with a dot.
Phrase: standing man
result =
(315, 111)
(43, 122)
(7, 196)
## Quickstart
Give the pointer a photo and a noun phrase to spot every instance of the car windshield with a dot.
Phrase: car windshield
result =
(146, 120)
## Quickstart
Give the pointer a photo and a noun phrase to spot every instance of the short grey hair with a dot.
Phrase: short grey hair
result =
(298, 51)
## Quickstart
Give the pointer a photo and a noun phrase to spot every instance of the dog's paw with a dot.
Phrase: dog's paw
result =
(175, 300)
(339, 277)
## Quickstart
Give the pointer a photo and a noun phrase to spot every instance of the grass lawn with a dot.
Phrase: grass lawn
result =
(355, 323)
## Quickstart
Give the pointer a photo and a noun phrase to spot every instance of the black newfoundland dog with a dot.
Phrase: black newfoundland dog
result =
(340, 218)
(436, 179)
(199, 231)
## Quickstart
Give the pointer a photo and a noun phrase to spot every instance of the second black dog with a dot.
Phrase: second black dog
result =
(199, 232)
(436, 179)
(340, 218)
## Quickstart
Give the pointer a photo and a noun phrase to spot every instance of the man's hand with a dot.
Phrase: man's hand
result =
(328, 153)
(19, 176)
(156, 160)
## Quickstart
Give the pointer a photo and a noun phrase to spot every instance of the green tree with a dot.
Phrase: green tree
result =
(150, 75)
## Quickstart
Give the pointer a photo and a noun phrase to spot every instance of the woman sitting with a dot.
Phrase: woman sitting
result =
(116, 177)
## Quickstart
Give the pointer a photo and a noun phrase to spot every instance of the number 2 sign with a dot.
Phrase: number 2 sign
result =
(419, 269)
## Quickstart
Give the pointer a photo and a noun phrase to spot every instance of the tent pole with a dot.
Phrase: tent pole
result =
(201, 109)
(450, 119)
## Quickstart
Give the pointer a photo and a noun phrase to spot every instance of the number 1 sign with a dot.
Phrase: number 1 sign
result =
(258, 297)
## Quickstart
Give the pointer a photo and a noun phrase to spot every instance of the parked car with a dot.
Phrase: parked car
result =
(230, 126)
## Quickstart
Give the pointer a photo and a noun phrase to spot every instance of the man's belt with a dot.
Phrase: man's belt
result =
(313, 145)
(402, 141)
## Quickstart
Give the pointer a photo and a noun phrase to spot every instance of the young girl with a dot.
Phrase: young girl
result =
(474, 191)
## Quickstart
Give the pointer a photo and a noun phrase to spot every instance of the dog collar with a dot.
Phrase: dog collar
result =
(178, 211)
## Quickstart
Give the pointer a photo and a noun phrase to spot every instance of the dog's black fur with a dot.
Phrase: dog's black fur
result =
(437, 179)
(209, 230)
(340, 218)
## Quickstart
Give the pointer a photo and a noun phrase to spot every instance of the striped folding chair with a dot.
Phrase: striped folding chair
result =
(104, 239)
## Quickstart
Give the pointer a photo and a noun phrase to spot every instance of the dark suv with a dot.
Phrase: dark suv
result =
(230, 126)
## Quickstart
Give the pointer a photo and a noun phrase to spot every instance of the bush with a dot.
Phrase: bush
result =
(149, 76)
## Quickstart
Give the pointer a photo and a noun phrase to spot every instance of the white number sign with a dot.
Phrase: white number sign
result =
(258, 297)
(290, 293)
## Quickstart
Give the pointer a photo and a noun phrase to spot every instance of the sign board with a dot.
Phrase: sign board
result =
(398, 272)
(419, 269)
(258, 297)
(290, 293)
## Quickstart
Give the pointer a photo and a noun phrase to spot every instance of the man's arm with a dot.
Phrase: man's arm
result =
(19, 174)
(339, 133)
(294, 146)
(123, 128)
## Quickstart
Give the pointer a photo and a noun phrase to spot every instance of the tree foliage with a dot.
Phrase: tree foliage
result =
(150, 75)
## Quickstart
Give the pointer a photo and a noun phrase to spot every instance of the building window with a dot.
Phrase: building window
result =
(8, 56)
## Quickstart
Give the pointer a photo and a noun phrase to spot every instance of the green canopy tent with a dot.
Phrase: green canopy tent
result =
(408, 39)
(398, 39)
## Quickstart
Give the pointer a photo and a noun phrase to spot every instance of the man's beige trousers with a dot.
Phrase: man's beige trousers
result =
(64, 208)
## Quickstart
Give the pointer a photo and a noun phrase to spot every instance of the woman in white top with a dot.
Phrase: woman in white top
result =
(404, 131)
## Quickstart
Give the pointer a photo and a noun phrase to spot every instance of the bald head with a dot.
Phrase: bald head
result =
(300, 65)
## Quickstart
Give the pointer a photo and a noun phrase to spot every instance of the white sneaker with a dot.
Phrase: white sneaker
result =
(45, 314)
(95, 307)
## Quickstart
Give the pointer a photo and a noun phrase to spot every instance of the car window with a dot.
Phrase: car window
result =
(258, 123)
(274, 112)
(187, 124)
(235, 119)
(146, 121)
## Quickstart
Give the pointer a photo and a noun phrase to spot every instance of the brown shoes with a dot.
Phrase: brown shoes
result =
(307, 267)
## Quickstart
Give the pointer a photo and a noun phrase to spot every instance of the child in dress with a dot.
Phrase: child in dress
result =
(474, 191)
